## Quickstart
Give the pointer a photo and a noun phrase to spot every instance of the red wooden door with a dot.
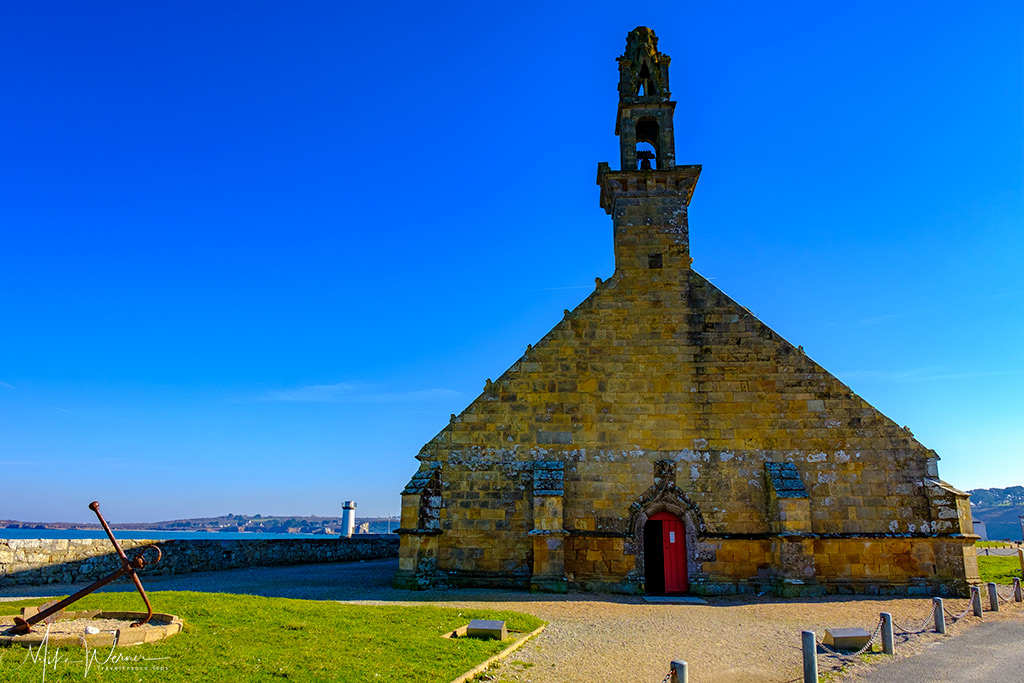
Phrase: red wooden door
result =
(673, 542)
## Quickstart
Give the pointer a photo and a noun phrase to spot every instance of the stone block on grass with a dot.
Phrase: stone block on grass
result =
(486, 628)
(851, 639)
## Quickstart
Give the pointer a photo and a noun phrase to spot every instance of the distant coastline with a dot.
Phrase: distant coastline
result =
(224, 527)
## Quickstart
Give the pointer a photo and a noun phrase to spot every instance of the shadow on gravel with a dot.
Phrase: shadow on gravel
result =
(358, 581)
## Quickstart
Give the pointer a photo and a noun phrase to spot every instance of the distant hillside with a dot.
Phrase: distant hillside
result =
(1001, 510)
(1013, 495)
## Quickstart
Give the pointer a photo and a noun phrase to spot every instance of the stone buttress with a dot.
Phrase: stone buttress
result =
(659, 397)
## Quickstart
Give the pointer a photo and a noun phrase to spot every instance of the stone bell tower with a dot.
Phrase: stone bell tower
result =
(648, 198)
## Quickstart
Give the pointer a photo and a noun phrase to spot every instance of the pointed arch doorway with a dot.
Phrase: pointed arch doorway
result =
(665, 555)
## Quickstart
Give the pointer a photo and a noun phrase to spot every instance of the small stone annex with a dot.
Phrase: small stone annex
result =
(662, 439)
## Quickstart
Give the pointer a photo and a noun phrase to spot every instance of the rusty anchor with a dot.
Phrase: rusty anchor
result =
(22, 626)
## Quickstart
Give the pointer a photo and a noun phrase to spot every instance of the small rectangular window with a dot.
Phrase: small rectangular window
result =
(554, 437)
(654, 260)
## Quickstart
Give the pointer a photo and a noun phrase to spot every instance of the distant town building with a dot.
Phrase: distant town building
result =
(662, 439)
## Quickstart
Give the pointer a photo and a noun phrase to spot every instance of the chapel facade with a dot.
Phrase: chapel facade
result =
(662, 439)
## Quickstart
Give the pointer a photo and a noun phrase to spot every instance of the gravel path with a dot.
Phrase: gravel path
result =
(598, 637)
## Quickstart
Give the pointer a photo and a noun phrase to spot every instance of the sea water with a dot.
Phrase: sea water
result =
(155, 535)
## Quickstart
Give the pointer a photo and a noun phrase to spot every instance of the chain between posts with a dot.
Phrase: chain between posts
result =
(920, 628)
(958, 617)
(668, 677)
(1005, 599)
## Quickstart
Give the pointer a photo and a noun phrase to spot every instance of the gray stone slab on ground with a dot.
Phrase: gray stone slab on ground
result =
(675, 599)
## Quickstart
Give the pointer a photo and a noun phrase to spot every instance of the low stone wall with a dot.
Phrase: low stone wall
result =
(44, 560)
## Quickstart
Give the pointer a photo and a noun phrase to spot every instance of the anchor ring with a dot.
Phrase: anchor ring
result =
(139, 561)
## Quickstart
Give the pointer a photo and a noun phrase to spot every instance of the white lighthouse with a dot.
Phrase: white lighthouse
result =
(348, 518)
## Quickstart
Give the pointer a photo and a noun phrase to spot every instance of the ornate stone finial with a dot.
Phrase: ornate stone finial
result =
(565, 313)
(487, 384)
(598, 281)
(644, 70)
(528, 347)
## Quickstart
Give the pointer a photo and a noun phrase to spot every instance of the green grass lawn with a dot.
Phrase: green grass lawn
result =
(994, 544)
(998, 569)
(249, 638)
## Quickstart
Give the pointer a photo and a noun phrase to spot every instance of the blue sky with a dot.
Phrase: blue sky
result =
(253, 254)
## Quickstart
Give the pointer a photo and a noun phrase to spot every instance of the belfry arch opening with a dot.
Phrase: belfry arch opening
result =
(644, 81)
(647, 143)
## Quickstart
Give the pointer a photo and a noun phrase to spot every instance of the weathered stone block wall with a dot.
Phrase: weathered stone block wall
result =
(653, 230)
(864, 560)
(910, 565)
(735, 566)
(40, 561)
(594, 561)
(491, 506)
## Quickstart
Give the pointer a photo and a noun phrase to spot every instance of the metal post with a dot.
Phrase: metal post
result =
(1016, 590)
(887, 644)
(993, 597)
(976, 600)
(940, 615)
(810, 648)
(679, 674)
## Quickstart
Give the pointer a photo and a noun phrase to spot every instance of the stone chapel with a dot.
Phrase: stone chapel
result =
(661, 439)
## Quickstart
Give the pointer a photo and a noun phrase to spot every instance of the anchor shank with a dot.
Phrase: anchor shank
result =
(95, 507)
(145, 599)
